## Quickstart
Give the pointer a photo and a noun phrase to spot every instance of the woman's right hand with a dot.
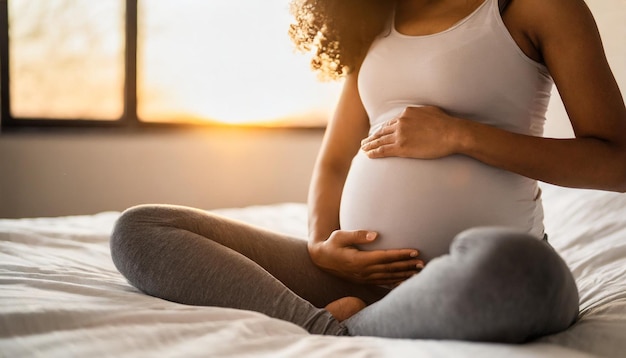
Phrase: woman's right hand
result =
(339, 256)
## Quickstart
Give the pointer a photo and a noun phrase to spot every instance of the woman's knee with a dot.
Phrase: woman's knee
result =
(132, 235)
(515, 267)
(144, 230)
(131, 222)
(509, 252)
(142, 222)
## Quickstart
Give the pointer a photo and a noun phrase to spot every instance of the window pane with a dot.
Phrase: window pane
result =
(66, 58)
(225, 61)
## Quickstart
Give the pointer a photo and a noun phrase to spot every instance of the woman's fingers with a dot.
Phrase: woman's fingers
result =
(395, 269)
(388, 256)
(383, 143)
(419, 132)
(386, 129)
(386, 278)
(400, 266)
(343, 258)
(343, 238)
(383, 136)
(389, 265)
(375, 144)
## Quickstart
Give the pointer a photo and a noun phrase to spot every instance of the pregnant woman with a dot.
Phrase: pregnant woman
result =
(425, 215)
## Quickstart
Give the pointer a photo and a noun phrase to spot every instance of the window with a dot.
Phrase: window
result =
(66, 59)
(128, 62)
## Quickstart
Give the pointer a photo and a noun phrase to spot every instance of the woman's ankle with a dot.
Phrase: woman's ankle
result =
(345, 307)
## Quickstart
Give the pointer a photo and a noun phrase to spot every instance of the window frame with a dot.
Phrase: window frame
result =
(129, 115)
(129, 119)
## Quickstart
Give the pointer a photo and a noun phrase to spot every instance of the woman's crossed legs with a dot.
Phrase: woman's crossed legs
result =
(193, 257)
(496, 284)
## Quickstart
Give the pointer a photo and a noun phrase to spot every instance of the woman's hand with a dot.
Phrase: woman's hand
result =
(339, 255)
(419, 132)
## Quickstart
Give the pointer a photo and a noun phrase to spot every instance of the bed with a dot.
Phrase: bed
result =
(60, 294)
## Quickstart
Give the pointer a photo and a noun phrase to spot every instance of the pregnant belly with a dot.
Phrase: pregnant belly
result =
(423, 204)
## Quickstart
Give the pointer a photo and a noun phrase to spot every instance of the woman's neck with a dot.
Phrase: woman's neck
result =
(424, 17)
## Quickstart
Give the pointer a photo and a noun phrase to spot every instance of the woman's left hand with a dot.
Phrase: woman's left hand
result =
(425, 132)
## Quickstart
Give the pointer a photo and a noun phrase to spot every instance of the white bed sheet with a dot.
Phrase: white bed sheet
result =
(60, 295)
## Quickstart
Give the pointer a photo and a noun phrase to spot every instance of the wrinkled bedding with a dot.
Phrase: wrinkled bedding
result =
(60, 294)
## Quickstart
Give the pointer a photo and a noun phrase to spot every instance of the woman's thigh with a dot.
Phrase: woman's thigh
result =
(285, 258)
(495, 285)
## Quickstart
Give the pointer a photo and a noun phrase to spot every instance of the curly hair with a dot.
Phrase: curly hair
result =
(339, 31)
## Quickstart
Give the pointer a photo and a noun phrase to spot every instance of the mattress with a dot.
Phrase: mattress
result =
(61, 296)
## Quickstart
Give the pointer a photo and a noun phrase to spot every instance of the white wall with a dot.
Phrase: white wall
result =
(51, 174)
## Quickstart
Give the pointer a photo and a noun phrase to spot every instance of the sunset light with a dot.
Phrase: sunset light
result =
(66, 58)
(229, 61)
(198, 61)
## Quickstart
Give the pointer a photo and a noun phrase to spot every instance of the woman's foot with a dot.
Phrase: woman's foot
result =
(345, 307)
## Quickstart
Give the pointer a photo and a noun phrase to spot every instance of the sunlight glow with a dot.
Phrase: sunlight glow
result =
(226, 61)
(198, 61)
(66, 58)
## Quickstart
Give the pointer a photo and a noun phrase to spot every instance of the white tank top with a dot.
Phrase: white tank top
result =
(473, 70)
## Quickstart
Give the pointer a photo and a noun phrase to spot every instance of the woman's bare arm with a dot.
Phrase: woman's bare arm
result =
(567, 40)
(341, 142)
(330, 248)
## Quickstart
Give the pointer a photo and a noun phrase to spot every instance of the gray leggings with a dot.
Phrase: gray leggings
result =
(495, 285)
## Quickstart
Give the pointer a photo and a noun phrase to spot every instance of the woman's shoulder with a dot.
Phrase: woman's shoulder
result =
(541, 14)
(535, 22)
